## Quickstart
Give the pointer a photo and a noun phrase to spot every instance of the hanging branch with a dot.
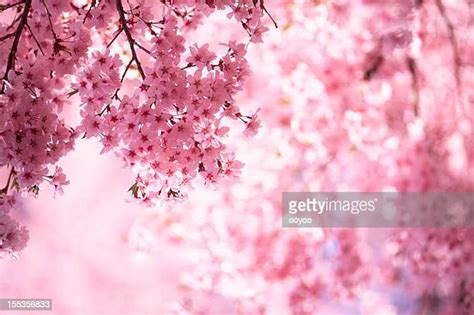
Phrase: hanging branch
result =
(16, 41)
(131, 41)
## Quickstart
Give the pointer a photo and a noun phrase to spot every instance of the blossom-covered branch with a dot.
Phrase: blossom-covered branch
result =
(16, 40)
(169, 129)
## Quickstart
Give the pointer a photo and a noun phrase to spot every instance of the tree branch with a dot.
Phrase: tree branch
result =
(16, 40)
(7, 36)
(131, 41)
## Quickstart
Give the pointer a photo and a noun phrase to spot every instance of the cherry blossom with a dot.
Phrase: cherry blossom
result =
(143, 88)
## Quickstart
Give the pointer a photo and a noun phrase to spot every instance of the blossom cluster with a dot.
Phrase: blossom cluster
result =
(13, 237)
(169, 129)
(161, 108)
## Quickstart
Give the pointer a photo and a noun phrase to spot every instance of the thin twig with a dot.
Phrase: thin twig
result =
(4, 7)
(126, 69)
(454, 42)
(7, 36)
(93, 4)
(34, 37)
(143, 48)
(115, 37)
(48, 13)
(150, 25)
(16, 19)
(414, 75)
(262, 6)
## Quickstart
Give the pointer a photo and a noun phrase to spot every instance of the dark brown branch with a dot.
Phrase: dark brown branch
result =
(126, 70)
(454, 42)
(131, 41)
(150, 25)
(370, 72)
(262, 6)
(93, 4)
(115, 37)
(7, 36)
(4, 7)
(106, 108)
(143, 48)
(414, 75)
(16, 19)
(16, 40)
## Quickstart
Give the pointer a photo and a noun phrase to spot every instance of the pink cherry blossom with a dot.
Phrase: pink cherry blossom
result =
(252, 125)
(59, 180)
(141, 82)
